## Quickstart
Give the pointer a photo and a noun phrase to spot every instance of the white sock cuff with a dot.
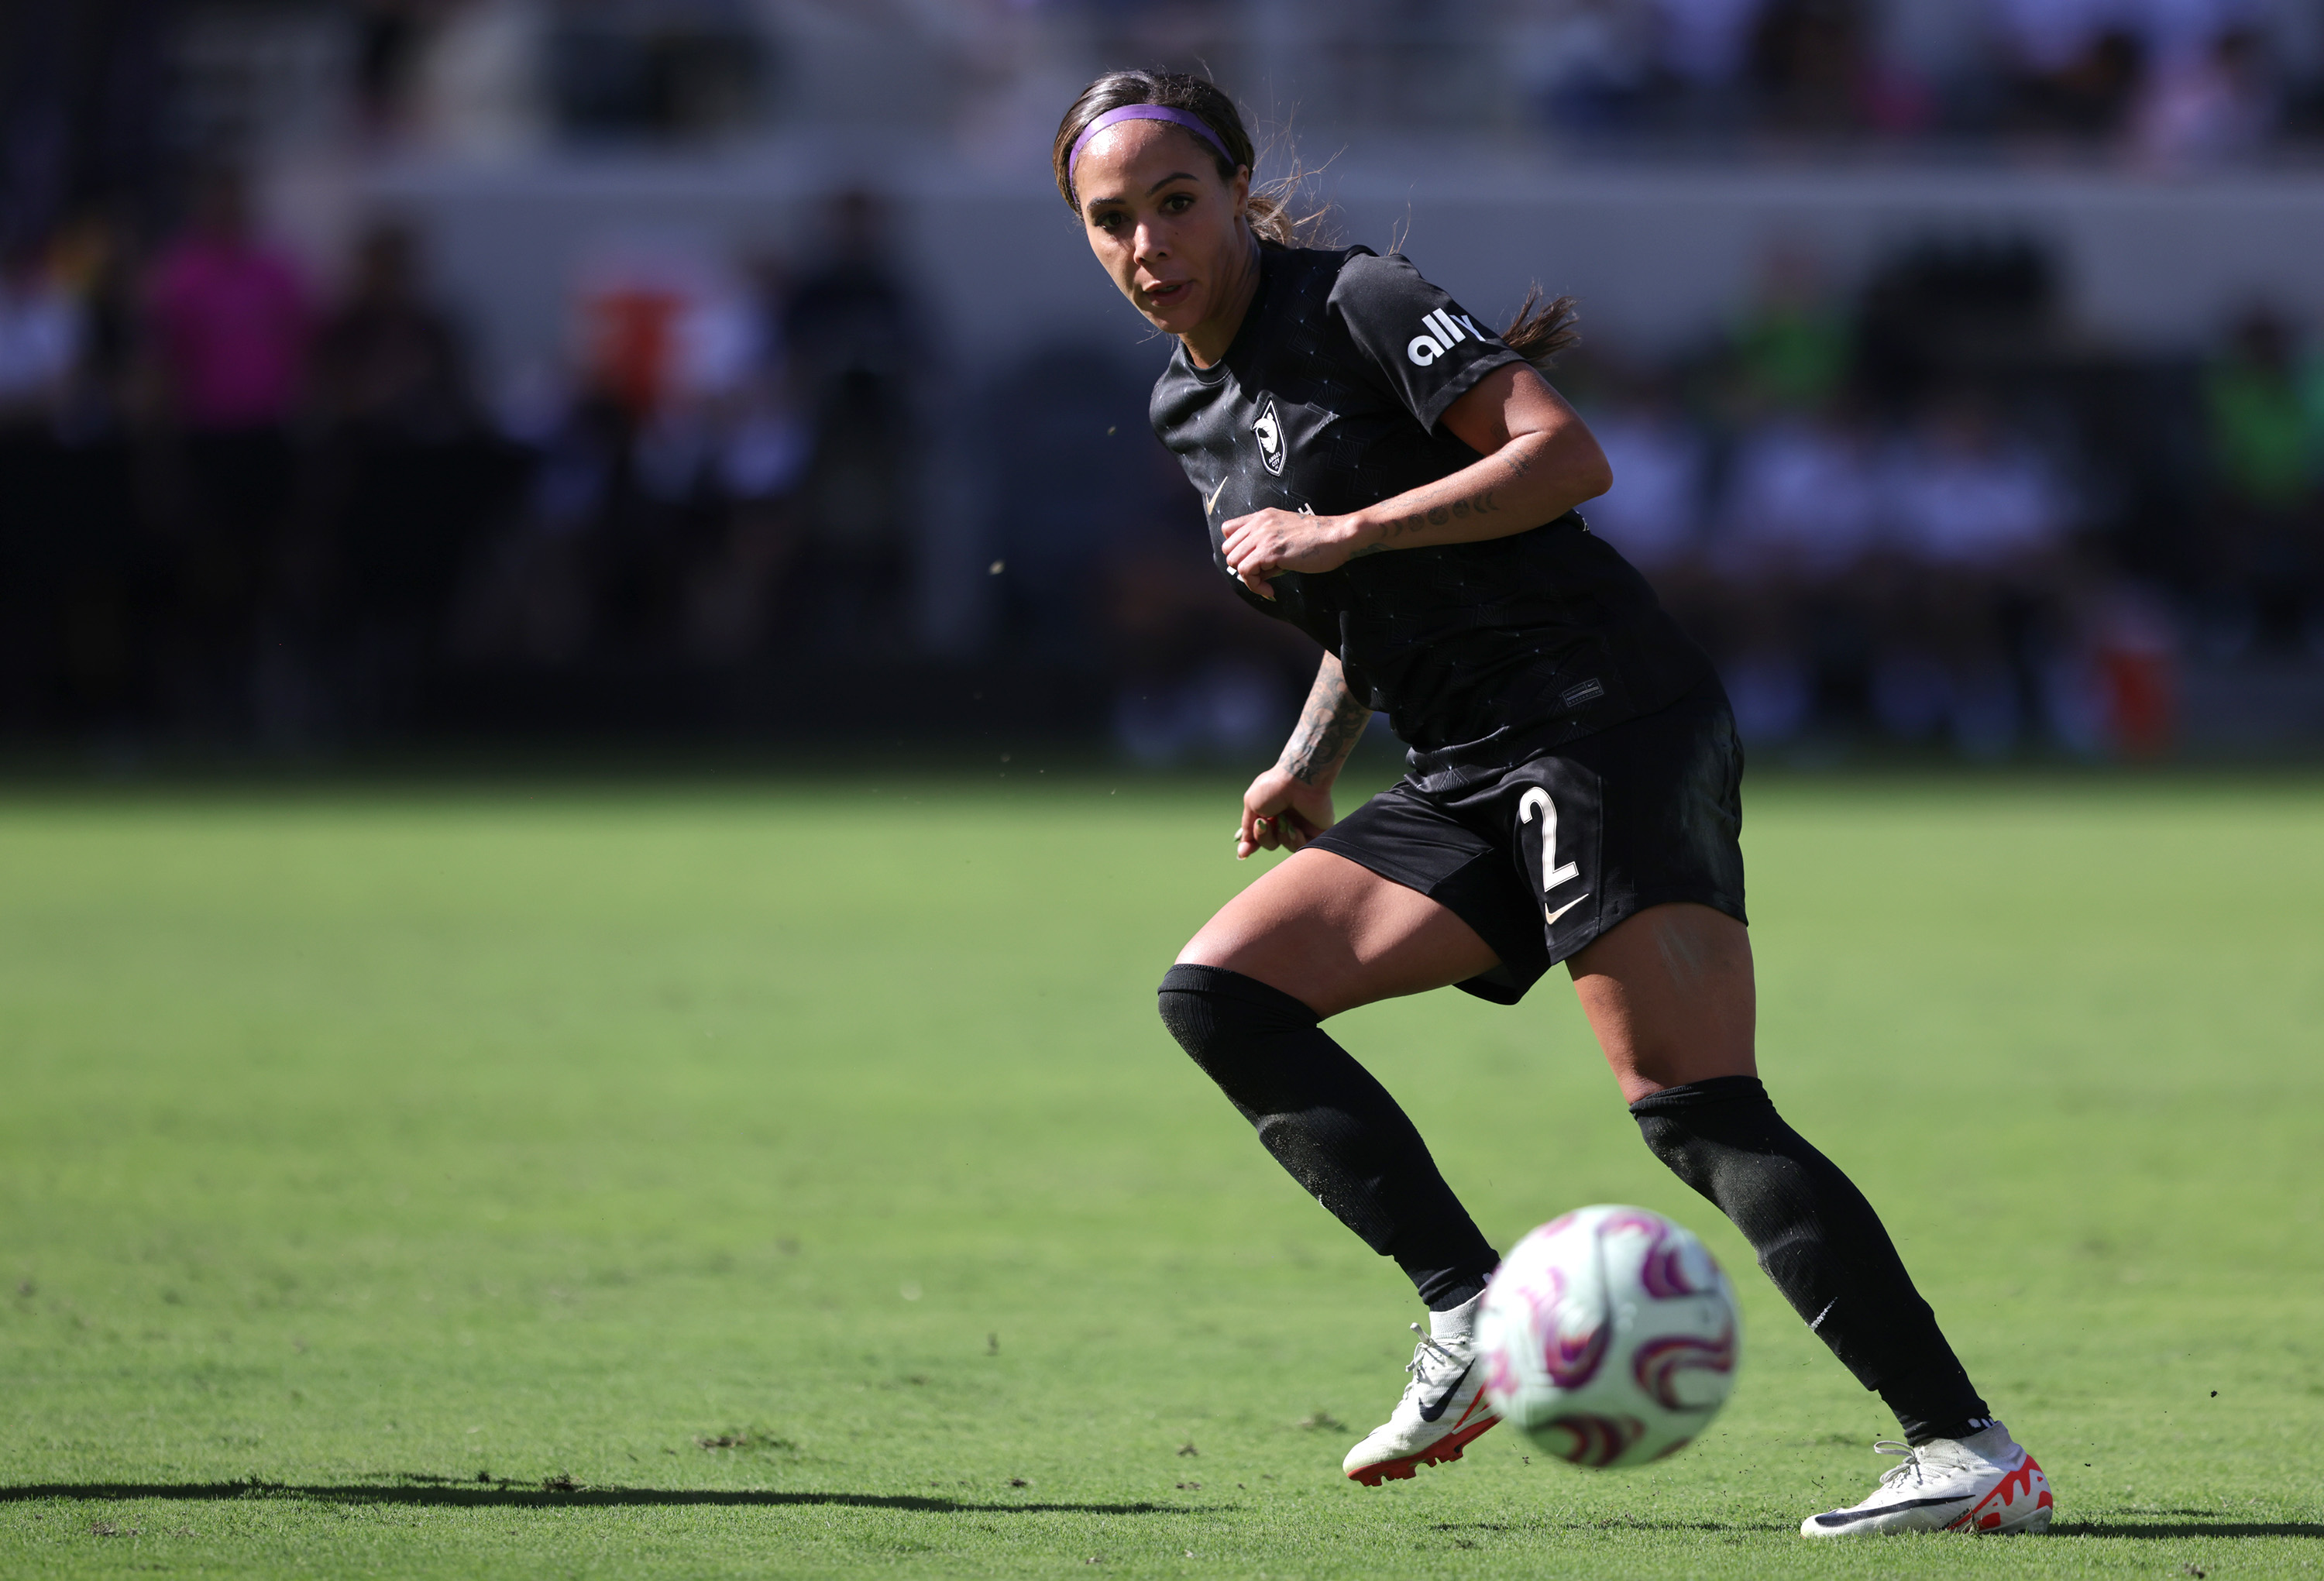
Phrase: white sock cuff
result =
(1456, 1323)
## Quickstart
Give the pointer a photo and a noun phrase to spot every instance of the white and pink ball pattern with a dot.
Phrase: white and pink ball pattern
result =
(1609, 1336)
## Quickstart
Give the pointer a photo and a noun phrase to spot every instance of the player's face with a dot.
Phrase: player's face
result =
(1167, 230)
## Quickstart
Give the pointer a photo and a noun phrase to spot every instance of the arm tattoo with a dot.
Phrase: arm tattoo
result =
(1327, 730)
(1483, 504)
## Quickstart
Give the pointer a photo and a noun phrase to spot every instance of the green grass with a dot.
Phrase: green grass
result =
(367, 1161)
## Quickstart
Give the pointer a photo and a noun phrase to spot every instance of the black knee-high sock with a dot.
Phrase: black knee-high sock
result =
(1328, 1122)
(1820, 1241)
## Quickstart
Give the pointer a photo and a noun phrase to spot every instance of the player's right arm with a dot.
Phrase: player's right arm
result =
(1291, 804)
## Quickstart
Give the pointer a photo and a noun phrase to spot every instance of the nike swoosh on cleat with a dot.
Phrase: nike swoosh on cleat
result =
(1561, 911)
(1435, 1409)
(1850, 1517)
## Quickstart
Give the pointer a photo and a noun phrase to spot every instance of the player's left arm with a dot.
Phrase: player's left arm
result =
(1536, 461)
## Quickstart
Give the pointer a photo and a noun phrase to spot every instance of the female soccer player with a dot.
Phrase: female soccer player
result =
(1399, 481)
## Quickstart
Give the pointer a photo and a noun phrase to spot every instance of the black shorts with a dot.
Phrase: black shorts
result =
(1639, 814)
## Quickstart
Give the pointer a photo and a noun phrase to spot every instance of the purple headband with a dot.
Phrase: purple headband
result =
(1193, 123)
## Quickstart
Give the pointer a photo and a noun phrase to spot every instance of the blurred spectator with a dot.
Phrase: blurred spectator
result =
(231, 318)
(231, 327)
(1654, 512)
(40, 331)
(1802, 500)
(854, 337)
(1809, 65)
(1793, 349)
(2085, 88)
(403, 473)
(389, 41)
(1589, 66)
(632, 487)
(1791, 544)
(532, 603)
(2263, 415)
(2208, 108)
(40, 334)
(663, 71)
(1598, 65)
(1964, 492)
(739, 585)
(91, 264)
(1705, 44)
(1979, 518)
(1939, 312)
(388, 361)
(91, 572)
(762, 445)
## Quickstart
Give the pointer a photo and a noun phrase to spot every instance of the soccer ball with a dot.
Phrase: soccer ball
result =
(1609, 1336)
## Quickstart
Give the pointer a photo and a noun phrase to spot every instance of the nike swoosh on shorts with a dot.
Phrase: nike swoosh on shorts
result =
(1561, 911)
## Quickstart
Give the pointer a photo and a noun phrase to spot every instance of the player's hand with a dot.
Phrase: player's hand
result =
(1267, 543)
(1280, 814)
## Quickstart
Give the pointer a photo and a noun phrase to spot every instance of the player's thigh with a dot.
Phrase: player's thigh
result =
(1333, 934)
(1670, 994)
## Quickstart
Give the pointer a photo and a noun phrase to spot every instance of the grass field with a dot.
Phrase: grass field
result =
(794, 1179)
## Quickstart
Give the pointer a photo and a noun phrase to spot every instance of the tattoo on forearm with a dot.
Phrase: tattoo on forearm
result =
(1327, 730)
(1400, 526)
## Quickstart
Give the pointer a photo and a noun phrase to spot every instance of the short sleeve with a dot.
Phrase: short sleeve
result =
(1426, 348)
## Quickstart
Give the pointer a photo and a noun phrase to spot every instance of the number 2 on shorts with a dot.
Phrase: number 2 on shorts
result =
(1552, 874)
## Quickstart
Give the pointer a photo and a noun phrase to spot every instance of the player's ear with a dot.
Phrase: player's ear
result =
(1238, 192)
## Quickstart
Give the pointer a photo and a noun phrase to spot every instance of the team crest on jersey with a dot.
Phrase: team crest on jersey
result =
(1270, 430)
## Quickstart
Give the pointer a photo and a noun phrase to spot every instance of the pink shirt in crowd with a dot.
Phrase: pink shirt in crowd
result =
(233, 320)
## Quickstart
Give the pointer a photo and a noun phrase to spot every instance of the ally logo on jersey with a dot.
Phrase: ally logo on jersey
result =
(1441, 335)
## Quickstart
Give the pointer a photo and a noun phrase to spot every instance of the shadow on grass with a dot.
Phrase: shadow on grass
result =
(507, 1495)
(2156, 1529)
(2099, 1527)
(1611, 1523)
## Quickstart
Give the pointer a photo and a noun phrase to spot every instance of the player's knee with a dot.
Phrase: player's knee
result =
(1228, 1024)
(1678, 1147)
(1693, 1127)
(1185, 1011)
(1215, 1013)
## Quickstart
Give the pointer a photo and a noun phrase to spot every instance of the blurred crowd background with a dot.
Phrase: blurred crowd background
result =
(410, 371)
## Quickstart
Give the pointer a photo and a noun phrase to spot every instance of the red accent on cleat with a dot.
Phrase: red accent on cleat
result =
(1445, 1448)
(1989, 1512)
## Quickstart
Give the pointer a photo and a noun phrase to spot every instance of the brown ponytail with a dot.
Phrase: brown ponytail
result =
(1269, 209)
(1543, 331)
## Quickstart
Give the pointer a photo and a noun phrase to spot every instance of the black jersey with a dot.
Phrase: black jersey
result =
(1329, 399)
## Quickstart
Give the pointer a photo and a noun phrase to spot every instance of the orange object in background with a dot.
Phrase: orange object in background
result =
(631, 343)
(2138, 661)
(2141, 703)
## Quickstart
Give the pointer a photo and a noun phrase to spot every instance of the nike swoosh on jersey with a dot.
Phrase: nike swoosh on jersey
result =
(1212, 503)
(1561, 911)
(1435, 1408)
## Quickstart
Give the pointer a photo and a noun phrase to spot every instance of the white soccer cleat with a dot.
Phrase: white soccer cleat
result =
(1444, 1407)
(1986, 1482)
